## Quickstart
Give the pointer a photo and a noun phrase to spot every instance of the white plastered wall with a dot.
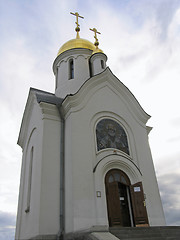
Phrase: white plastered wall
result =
(50, 171)
(28, 223)
(82, 112)
(79, 187)
(42, 132)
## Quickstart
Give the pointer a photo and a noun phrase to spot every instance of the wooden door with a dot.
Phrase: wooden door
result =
(124, 205)
(138, 205)
(114, 210)
(117, 192)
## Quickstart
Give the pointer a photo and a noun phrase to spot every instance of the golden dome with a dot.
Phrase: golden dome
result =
(76, 43)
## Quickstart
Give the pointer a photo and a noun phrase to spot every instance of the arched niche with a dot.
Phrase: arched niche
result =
(110, 134)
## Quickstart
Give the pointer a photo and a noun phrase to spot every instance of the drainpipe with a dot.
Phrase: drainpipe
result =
(60, 235)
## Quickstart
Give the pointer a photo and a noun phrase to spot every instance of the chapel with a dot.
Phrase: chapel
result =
(86, 162)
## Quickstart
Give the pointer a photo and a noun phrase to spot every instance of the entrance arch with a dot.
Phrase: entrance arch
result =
(125, 202)
(118, 199)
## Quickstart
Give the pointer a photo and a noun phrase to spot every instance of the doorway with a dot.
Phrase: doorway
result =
(118, 199)
(125, 202)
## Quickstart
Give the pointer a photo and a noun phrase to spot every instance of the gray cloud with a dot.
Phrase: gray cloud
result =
(170, 195)
(164, 13)
(7, 219)
(7, 233)
(132, 58)
(7, 225)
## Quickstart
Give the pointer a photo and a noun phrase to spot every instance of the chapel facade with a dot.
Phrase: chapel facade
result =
(86, 161)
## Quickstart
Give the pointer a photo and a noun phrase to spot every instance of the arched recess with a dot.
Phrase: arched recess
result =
(28, 169)
(98, 117)
(136, 206)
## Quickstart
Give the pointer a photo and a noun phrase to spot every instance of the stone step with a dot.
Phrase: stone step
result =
(147, 233)
(124, 235)
(157, 238)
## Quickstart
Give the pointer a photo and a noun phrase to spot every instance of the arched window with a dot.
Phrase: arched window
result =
(102, 64)
(29, 180)
(116, 175)
(110, 134)
(71, 69)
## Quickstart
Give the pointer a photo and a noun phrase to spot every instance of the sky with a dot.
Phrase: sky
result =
(141, 39)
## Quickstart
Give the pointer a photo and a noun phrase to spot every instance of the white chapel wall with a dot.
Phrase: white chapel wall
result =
(43, 133)
(28, 222)
(81, 156)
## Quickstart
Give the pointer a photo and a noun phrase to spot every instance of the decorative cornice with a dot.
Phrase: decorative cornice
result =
(49, 111)
(68, 54)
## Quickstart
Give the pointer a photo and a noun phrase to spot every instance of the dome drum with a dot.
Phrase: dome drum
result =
(76, 61)
(71, 69)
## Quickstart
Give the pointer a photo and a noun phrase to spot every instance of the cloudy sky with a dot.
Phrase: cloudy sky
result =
(141, 39)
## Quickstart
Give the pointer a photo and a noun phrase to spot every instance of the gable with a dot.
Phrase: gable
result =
(105, 86)
(32, 111)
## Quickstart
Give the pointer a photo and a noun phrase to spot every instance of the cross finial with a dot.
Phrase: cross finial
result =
(77, 23)
(95, 36)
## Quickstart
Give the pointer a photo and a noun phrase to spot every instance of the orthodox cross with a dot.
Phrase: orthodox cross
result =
(77, 23)
(95, 36)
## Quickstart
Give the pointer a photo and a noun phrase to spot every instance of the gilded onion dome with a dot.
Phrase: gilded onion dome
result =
(77, 43)
(80, 42)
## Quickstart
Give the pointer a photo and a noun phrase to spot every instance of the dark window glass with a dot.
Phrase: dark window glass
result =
(117, 177)
(123, 180)
(71, 69)
(102, 64)
(111, 179)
